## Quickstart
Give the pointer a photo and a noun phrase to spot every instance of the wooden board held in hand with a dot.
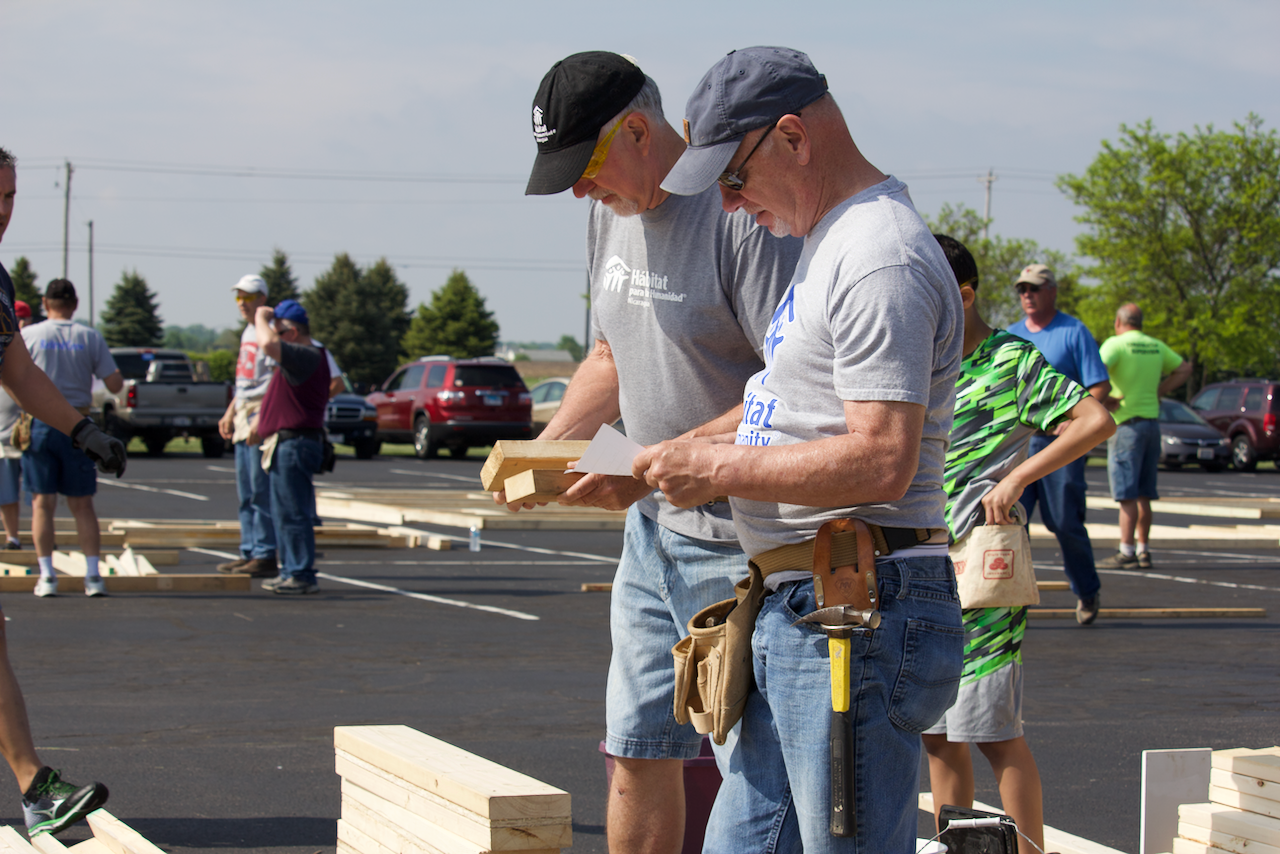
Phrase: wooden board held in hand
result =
(512, 457)
(539, 484)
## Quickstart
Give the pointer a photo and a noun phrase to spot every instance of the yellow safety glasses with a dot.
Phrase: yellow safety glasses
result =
(601, 151)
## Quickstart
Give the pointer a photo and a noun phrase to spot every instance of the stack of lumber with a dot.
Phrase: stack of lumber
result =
(1242, 814)
(458, 509)
(404, 792)
(110, 836)
(160, 533)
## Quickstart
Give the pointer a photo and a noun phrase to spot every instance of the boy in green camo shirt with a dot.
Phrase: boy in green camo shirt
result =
(1006, 392)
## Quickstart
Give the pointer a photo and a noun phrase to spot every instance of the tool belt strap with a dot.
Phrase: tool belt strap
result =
(844, 548)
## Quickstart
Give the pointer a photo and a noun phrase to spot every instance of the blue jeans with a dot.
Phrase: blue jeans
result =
(293, 505)
(1133, 455)
(663, 579)
(1061, 497)
(903, 678)
(257, 533)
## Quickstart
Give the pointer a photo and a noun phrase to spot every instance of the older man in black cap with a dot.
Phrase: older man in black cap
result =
(834, 472)
(681, 295)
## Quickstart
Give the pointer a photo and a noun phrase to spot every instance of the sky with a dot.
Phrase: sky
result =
(203, 136)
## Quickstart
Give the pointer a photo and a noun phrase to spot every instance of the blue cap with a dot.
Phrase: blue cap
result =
(289, 310)
(748, 89)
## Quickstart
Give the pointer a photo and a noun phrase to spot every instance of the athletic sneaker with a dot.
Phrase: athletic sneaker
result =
(94, 586)
(1087, 609)
(232, 565)
(11, 546)
(295, 587)
(52, 804)
(1144, 560)
(271, 583)
(47, 586)
(1120, 560)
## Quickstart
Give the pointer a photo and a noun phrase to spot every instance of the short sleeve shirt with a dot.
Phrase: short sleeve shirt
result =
(1137, 362)
(72, 354)
(1069, 347)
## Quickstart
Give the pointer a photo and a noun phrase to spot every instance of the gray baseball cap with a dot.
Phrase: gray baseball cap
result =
(748, 89)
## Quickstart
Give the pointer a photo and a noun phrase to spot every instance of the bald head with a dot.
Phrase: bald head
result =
(1129, 316)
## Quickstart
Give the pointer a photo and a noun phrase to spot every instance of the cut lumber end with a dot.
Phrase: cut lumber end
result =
(539, 484)
(439, 544)
(118, 837)
(597, 587)
(512, 457)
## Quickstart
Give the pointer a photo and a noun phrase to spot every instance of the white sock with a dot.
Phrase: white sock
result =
(1126, 549)
(15, 541)
(91, 566)
(46, 566)
(1142, 548)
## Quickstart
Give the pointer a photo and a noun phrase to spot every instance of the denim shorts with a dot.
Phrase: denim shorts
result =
(10, 480)
(1132, 456)
(53, 465)
(663, 579)
(776, 796)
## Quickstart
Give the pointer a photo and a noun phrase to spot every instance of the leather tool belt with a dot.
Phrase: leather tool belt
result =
(713, 664)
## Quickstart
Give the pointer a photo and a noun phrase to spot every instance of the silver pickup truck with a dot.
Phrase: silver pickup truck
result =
(163, 397)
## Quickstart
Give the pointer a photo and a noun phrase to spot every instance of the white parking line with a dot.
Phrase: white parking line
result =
(473, 479)
(143, 488)
(220, 468)
(1158, 576)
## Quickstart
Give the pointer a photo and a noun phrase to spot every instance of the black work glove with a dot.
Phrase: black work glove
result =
(107, 451)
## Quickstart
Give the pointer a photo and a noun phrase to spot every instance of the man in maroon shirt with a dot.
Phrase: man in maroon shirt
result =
(291, 424)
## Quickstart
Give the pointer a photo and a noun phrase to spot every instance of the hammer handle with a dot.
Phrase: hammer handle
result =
(844, 822)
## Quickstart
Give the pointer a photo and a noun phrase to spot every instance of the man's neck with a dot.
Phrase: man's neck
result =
(667, 148)
(1038, 321)
(976, 331)
(57, 315)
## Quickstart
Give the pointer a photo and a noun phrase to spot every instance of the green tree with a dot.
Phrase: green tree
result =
(1188, 227)
(132, 318)
(571, 346)
(281, 284)
(24, 287)
(196, 337)
(356, 314)
(455, 324)
(222, 363)
(1000, 260)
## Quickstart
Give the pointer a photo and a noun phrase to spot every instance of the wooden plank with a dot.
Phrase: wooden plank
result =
(512, 457)
(452, 773)
(1154, 613)
(439, 544)
(1263, 764)
(1053, 585)
(499, 835)
(1218, 841)
(403, 832)
(91, 846)
(12, 842)
(45, 843)
(185, 583)
(1224, 759)
(1187, 846)
(351, 838)
(159, 557)
(597, 587)
(1242, 801)
(539, 484)
(73, 563)
(1246, 825)
(1245, 784)
(12, 569)
(118, 837)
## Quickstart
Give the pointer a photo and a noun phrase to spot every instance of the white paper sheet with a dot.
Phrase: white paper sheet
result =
(610, 452)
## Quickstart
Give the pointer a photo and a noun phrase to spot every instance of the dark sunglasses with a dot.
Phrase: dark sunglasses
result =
(731, 180)
(1025, 287)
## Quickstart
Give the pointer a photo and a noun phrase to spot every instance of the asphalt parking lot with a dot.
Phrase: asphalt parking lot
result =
(210, 716)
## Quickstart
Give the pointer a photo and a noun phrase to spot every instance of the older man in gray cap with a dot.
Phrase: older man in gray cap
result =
(835, 470)
(681, 296)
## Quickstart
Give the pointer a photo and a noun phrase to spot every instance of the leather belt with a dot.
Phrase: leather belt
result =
(844, 548)
(318, 435)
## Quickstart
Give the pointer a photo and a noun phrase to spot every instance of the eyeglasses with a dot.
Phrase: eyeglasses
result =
(601, 151)
(1027, 287)
(731, 180)
(241, 296)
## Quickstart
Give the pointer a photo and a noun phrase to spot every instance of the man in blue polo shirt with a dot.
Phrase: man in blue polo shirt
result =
(1069, 347)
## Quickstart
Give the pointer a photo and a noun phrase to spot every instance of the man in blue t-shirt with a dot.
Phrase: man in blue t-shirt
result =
(1069, 347)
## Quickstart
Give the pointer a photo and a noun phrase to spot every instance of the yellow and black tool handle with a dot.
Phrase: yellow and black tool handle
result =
(844, 822)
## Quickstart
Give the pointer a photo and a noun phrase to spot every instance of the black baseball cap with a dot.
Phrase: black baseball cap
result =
(579, 95)
(748, 89)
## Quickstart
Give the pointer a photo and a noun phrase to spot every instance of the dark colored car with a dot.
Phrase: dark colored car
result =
(350, 420)
(440, 402)
(1245, 411)
(1187, 439)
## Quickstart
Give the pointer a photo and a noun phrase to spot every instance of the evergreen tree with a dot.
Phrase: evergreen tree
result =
(571, 346)
(24, 287)
(281, 284)
(131, 318)
(355, 314)
(456, 323)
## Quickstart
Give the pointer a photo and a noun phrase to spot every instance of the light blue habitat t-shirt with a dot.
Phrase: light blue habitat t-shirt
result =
(873, 314)
(72, 354)
(683, 295)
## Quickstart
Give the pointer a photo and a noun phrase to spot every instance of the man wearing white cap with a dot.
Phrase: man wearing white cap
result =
(253, 372)
(835, 471)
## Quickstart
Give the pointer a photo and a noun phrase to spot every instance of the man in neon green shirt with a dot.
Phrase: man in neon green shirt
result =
(1137, 363)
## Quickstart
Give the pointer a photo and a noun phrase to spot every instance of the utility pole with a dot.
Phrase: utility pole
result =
(91, 273)
(986, 209)
(66, 220)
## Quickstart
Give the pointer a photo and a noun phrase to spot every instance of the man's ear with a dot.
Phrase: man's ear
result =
(968, 296)
(795, 136)
(636, 126)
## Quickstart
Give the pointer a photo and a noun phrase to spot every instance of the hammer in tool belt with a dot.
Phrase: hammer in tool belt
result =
(847, 597)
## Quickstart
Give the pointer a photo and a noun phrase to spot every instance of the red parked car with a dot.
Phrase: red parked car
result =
(1245, 411)
(441, 402)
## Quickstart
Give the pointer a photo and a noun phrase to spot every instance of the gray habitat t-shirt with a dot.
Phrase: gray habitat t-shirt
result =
(72, 354)
(873, 314)
(683, 295)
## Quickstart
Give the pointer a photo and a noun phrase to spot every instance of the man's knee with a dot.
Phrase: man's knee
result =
(629, 772)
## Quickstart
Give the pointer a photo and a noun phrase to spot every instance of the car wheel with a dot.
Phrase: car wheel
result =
(1212, 466)
(212, 446)
(366, 449)
(155, 445)
(1243, 456)
(423, 447)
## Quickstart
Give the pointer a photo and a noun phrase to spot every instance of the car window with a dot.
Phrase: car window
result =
(1207, 399)
(1231, 396)
(1253, 399)
(393, 383)
(488, 376)
(555, 391)
(435, 377)
(539, 393)
(1175, 412)
(412, 377)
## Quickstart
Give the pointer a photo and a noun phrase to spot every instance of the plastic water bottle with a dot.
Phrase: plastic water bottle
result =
(475, 538)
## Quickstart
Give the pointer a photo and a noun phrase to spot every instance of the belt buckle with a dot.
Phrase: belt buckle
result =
(853, 584)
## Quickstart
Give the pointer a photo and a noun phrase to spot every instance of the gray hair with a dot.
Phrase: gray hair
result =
(1130, 315)
(648, 101)
(7, 160)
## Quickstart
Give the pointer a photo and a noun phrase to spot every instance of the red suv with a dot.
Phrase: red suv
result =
(1245, 411)
(439, 401)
